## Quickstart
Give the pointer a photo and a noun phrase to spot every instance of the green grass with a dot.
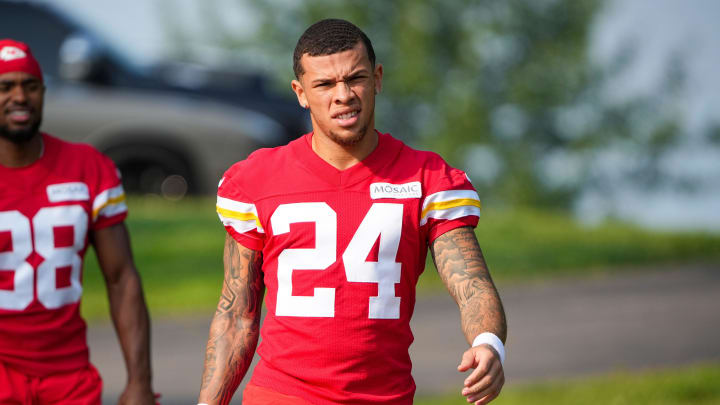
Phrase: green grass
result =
(526, 245)
(688, 385)
(178, 251)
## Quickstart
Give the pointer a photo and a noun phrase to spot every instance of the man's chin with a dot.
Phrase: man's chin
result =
(350, 139)
(19, 136)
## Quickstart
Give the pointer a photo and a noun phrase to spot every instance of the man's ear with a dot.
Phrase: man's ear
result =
(377, 74)
(300, 93)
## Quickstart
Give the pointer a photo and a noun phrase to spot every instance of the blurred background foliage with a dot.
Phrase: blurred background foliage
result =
(503, 89)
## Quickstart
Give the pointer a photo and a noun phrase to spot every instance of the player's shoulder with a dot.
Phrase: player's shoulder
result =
(71, 151)
(81, 163)
(427, 160)
(427, 157)
(257, 162)
(261, 158)
(259, 165)
(435, 173)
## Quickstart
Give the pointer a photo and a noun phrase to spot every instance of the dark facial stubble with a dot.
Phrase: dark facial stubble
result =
(19, 136)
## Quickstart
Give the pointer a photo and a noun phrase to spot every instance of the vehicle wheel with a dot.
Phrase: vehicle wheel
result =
(155, 170)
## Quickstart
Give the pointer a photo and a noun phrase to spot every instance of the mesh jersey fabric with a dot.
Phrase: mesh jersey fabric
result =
(342, 253)
(47, 210)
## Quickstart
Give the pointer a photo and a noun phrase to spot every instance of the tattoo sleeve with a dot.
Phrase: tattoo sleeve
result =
(235, 326)
(461, 266)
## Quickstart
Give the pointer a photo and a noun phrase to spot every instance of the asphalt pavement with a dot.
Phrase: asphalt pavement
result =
(559, 329)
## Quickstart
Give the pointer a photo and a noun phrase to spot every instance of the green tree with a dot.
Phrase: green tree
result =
(501, 88)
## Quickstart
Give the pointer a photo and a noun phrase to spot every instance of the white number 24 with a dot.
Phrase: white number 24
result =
(383, 220)
(43, 224)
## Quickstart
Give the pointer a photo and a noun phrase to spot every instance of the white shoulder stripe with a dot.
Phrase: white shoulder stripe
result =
(450, 204)
(241, 226)
(109, 203)
(243, 217)
(237, 206)
(113, 209)
(109, 194)
(450, 195)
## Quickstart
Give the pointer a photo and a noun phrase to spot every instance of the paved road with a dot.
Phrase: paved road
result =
(558, 329)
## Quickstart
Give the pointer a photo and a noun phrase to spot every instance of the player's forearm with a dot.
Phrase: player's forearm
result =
(132, 324)
(483, 313)
(229, 352)
(462, 268)
(127, 304)
(235, 327)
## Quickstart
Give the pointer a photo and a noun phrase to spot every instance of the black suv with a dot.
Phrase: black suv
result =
(167, 136)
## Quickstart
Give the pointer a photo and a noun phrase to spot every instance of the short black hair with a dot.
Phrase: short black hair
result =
(327, 37)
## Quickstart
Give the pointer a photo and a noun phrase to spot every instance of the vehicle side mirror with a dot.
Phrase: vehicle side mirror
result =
(80, 59)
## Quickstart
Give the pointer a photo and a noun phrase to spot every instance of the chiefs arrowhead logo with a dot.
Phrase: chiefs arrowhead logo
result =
(9, 53)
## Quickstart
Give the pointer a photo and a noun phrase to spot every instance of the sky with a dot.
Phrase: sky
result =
(140, 27)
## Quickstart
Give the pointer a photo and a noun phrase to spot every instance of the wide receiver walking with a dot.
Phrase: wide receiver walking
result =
(55, 198)
(336, 225)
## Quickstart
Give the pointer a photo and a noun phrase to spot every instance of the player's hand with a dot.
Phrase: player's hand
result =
(138, 394)
(485, 382)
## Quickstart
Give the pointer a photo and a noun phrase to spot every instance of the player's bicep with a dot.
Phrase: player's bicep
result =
(243, 285)
(112, 247)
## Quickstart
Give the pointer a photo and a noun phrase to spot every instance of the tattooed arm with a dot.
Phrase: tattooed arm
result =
(235, 327)
(462, 268)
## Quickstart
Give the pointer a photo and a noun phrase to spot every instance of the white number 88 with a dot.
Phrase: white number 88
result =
(43, 223)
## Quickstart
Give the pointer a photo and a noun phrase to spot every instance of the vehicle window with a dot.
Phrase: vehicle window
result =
(37, 27)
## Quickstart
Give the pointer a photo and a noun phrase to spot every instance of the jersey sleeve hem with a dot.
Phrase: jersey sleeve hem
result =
(446, 226)
(109, 221)
(243, 239)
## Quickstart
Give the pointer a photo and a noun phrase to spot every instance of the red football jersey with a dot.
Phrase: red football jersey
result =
(342, 253)
(47, 210)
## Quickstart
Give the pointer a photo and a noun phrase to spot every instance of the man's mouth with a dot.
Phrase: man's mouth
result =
(347, 119)
(19, 116)
(347, 116)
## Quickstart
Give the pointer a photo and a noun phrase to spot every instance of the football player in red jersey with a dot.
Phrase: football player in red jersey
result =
(55, 198)
(336, 226)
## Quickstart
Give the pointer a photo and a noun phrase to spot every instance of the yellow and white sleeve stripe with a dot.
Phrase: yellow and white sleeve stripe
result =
(450, 205)
(242, 217)
(109, 203)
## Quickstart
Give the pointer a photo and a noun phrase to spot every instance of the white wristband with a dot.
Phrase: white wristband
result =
(493, 341)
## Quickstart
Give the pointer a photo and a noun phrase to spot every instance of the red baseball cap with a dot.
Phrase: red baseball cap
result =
(16, 56)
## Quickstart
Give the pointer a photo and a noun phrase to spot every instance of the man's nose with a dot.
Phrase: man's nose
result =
(18, 94)
(343, 92)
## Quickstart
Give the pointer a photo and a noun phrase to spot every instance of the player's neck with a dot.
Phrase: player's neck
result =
(21, 154)
(342, 156)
